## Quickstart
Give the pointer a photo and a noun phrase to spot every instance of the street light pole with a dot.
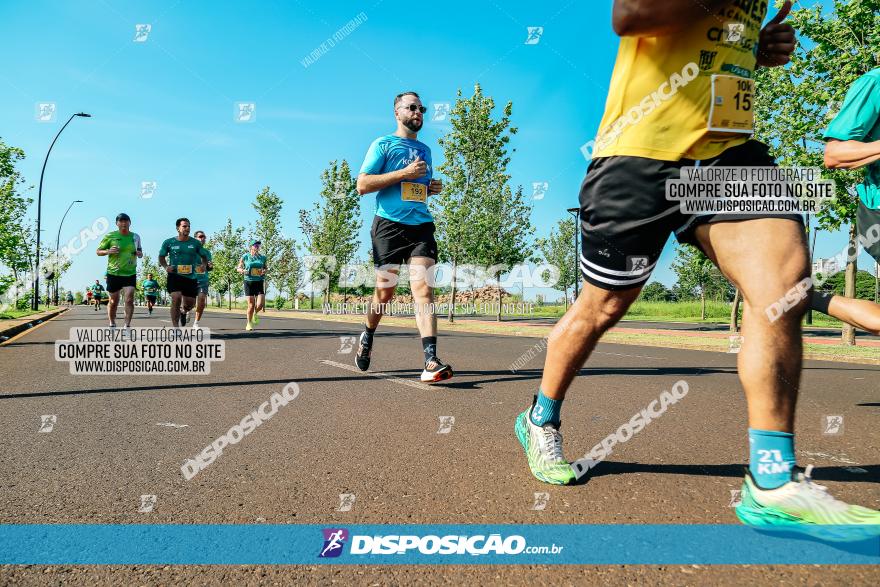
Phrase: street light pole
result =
(35, 303)
(576, 212)
(57, 243)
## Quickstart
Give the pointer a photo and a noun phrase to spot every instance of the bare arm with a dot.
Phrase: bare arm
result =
(367, 184)
(650, 18)
(850, 154)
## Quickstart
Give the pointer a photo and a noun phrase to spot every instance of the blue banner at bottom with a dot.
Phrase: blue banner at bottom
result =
(219, 544)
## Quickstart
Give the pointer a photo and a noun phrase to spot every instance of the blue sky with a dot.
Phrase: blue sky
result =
(163, 108)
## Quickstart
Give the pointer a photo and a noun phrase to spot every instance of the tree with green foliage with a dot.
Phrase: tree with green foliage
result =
(793, 105)
(656, 292)
(267, 228)
(331, 227)
(698, 278)
(227, 247)
(474, 171)
(287, 273)
(558, 250)
(16, 235)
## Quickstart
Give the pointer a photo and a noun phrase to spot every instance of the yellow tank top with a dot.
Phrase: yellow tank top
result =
(663, 89)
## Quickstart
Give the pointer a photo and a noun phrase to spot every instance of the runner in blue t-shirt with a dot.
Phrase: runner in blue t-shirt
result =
(399, 169)
(853, 142)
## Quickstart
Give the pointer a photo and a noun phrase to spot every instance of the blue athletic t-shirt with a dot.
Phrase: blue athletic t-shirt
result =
(391, 153)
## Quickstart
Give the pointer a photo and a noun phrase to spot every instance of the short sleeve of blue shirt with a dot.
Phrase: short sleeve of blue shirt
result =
(375, 159)
(859, 120)
(860, 112)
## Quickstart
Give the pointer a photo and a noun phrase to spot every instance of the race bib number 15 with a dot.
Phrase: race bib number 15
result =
(732, 108)
(413, 192)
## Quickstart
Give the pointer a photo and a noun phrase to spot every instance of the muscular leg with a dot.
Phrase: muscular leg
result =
(575, 335)
(112, 305)
(423, 295)
(200, 305)
(386, 282)
(765, 258)
(188, 303)
(176, 297)
(129, 304)
(250, 308)
(260, 303)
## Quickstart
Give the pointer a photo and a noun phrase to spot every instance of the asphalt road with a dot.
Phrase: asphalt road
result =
(119, 437)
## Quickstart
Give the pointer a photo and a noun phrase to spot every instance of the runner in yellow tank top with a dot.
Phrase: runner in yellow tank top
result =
(681, 96)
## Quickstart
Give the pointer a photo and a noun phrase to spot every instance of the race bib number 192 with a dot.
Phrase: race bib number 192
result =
(413, 192)
(732, 107)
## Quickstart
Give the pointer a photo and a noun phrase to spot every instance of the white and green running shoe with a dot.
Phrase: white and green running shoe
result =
(801, 502)
(543, 446)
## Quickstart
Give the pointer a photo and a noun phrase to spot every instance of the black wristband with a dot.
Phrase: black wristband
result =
(820, 301)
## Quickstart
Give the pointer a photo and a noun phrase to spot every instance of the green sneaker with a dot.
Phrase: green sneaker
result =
(543, 446)
(256, 319)
(801, 502)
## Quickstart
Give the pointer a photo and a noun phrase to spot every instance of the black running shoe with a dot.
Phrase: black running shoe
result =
(362, 357)
(183, 318)
(436, 370)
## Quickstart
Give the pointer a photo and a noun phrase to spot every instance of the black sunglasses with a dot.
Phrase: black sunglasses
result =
(413, 108)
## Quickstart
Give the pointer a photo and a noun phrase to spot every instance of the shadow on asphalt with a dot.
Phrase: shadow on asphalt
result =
(736, 471)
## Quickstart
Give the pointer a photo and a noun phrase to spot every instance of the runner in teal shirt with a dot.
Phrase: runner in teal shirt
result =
(854, 136)
(253, 266)
(853, 142)
(151, 290)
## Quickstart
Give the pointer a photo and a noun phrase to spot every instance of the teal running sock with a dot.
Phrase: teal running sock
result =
(546, 410)
(771, 457)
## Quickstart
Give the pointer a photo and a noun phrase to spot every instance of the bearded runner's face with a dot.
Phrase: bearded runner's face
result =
(413, 120)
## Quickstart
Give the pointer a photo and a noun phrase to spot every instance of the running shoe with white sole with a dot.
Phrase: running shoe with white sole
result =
(436, 370)
(803, 503)
(256, 319)
(543, 446)
(249, 326)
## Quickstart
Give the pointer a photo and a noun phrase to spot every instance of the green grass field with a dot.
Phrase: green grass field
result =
(12, 314)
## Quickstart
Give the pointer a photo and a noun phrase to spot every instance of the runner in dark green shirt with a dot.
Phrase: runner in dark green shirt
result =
(97, 293)
(122, 249)
(151, 290)
(203, 278)
(184, 256)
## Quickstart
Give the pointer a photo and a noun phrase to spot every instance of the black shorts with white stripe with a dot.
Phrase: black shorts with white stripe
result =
(626, 218)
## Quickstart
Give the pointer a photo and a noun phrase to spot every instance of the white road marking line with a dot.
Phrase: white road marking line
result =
(379, 374)
(171, 425)
(834, 458)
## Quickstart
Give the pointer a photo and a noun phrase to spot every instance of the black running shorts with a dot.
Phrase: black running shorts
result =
(187, 287)
(254, 288)
(395, 243)
(626, 218)
(117, 282)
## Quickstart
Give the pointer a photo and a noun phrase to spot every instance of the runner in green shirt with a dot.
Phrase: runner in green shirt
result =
(253, 266)
(185, 255)
(853, 142)
(97, 293)
(151, 290)
(122, 249)
(203, 278)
